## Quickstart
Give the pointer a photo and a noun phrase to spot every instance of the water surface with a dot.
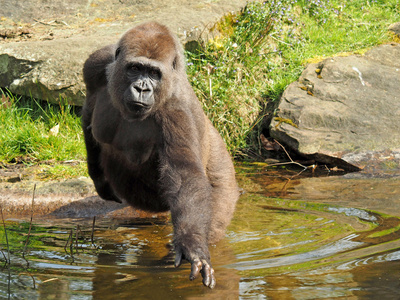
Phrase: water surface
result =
(292, 237)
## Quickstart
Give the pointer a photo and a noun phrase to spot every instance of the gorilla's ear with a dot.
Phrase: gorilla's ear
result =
(117, 52)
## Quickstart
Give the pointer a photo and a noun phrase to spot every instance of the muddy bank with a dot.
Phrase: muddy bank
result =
(69, 198)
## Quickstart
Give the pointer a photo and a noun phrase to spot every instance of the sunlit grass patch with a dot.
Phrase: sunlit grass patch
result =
(33, 131)
(240, 71)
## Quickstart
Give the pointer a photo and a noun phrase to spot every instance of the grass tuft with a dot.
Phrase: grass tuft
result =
(28, 131)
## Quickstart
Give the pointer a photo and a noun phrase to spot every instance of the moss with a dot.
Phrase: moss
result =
(284, 120)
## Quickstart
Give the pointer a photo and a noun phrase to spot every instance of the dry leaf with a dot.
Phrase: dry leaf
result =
(54, 131)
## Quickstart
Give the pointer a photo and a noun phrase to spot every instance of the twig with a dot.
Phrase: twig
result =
(63, 22)
(30, 227)
(290, 179)
(284, 150)
(33, 278)
(210, 70)
(27, 239)
(76, 238)
(66, 244)
(210, 84)
(71, 245)
(5, 234)
(70, 238)
(291, 160)
(91, 236)
(51, 279)
(8, 253)
(50, 23)
(279, 40)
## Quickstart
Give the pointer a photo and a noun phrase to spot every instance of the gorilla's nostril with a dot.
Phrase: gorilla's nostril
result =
(141, 89)
(138, 89)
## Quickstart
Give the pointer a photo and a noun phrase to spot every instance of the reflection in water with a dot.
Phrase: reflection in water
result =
(318, 240)
(354, 212)
(325, 251)
(250, 254)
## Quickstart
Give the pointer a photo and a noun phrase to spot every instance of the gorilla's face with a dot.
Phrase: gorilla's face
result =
(135, 84)
(144, 79)
(142, 75)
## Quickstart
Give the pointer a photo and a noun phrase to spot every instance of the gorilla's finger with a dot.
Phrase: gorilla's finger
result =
(208, 275)
(178, 257)
(213, 281)
(196, 267)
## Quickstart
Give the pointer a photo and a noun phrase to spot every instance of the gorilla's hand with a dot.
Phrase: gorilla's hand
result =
(200, 265)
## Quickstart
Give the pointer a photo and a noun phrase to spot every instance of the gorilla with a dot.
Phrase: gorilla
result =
(150, 144)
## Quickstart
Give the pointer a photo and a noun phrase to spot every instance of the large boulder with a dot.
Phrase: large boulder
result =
(43, 44)
(344, 111)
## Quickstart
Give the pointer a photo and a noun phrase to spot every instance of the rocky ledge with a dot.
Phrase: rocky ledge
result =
(345, 111)
(43, 44)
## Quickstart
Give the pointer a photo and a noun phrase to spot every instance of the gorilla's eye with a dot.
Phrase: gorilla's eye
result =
(154, 73)
(174, 63)
(117, 52)
(134, 68)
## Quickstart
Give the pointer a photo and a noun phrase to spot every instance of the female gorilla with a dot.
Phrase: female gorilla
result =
(149, 142)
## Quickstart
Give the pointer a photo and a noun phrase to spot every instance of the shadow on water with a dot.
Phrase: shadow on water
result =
(292, 237)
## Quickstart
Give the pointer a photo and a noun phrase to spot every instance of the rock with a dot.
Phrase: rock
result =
(70, 198)
(43, 44)
(344, 111)
(48, 70)
(395, 28)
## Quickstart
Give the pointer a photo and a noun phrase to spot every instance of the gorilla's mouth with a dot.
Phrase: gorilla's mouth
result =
(137, 107)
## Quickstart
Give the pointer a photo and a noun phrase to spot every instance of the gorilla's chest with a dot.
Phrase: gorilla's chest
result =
(134, 140)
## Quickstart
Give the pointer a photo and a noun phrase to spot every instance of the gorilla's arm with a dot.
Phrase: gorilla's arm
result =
(93, 150)
(188, 192)
(95, 68)
(94, 74)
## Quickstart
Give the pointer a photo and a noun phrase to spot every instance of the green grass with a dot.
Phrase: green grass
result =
(26, 137)
(238, 71)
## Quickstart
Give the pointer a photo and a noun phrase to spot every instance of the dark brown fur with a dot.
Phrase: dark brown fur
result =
(166, 156)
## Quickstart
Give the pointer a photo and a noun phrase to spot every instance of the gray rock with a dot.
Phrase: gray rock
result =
(395, 28)
(344, 111)
(44, 59)
(48, 70)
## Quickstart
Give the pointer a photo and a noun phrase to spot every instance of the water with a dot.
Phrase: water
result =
(292, 237)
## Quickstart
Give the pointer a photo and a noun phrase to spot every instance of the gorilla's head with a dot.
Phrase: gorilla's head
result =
(148, 60)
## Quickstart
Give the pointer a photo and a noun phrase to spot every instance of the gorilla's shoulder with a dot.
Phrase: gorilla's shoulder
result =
(94, 69)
